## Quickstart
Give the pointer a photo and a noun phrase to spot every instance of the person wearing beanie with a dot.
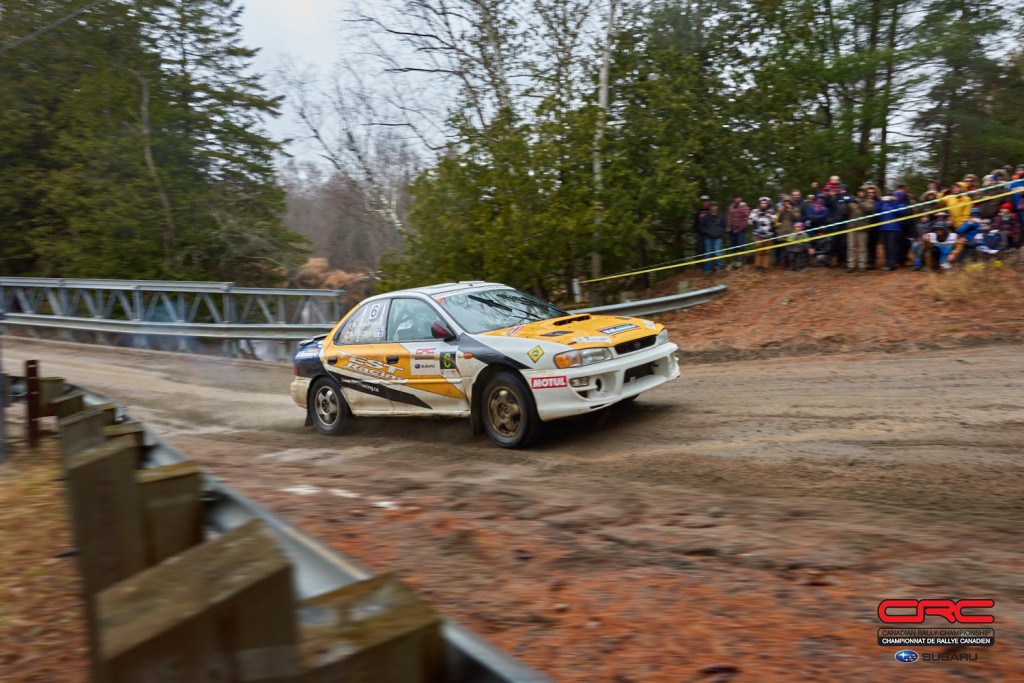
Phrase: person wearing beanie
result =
(942, 247)
(889, 209)
(857, 241)
(736, 224)
(711, 228)
(797, 251)
(968, 231)
(990, 186)
(1009, 226)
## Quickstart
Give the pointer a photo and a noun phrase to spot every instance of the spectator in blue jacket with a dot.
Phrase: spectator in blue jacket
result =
(969, 230)
(890, 209)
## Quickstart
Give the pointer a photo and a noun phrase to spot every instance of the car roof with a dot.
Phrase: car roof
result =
(444, 288)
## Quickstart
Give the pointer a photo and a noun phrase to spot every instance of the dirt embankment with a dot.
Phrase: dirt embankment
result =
(823, 310)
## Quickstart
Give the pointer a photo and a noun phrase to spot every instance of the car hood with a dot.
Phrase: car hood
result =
(583, 330)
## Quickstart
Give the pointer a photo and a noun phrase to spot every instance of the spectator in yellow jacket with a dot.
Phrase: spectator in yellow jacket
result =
(959, 207)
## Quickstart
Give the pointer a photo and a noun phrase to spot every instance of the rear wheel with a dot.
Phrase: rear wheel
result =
(327, 407)
(508, 412)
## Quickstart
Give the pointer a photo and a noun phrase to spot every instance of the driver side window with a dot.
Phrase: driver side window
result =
(410, 320)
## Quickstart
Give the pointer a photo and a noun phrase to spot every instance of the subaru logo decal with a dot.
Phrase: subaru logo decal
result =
(907, 656)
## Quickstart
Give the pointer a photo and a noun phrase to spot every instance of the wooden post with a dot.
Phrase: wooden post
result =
(371, 631)
(109, 411)
(106, 522)
(32, 383)
(81, 431)
(172, 511)
(68, 405)
(222, 611)
(134, 429)
(50, 389)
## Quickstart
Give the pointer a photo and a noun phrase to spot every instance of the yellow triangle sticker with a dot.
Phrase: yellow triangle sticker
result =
(535, 353)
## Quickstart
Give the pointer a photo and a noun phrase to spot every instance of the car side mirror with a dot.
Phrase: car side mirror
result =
(441, 331)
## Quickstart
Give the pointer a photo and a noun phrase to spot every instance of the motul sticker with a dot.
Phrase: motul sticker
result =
(549, 382)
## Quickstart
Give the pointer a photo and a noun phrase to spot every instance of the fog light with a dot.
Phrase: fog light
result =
(579, 381)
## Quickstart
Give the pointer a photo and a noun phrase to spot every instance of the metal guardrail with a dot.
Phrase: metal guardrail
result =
(318, 568)
(214, 310)
(659, 305)
(198, 330)
(81, 302)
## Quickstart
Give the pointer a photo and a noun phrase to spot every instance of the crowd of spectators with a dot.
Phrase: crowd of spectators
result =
(966, 221)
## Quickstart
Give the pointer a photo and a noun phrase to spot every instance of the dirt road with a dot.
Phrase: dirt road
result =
(740, 524)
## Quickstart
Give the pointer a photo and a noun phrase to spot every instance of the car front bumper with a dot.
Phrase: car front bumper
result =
(601, 384)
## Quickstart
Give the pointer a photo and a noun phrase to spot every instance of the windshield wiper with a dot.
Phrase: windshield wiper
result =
(525, 315)
(536, 302)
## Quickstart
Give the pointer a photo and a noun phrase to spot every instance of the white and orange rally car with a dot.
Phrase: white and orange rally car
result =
(503, 358)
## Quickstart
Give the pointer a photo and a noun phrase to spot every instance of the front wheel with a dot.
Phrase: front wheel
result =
(327, 407)
(509, 414)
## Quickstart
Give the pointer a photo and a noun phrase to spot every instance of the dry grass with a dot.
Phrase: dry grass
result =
(42, 636)
(996, 281)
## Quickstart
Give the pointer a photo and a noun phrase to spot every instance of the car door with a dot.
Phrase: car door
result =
(354, 356)
(430, 362)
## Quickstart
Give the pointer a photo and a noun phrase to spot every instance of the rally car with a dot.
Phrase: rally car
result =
(502, 357)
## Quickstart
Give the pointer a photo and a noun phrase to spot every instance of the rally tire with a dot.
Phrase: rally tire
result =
(327, 407)
(508, 412)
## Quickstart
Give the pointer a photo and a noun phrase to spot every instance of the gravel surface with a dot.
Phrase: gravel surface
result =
(740, 524)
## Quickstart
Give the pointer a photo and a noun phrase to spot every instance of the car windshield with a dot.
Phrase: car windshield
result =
(493, 309)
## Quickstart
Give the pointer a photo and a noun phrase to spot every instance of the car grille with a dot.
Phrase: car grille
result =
(635, 344)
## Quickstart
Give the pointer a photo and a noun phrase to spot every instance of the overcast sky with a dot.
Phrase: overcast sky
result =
(308, 31)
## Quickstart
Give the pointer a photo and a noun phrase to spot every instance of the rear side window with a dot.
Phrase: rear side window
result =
(366, 325)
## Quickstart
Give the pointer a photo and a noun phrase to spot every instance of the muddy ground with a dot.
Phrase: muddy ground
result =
(740, 524)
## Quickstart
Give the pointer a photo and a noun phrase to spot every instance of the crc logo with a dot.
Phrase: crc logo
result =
(950, 610)
(548, 382)
(907, 656)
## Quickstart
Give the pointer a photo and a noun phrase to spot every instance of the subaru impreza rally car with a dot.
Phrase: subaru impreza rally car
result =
(503, 358)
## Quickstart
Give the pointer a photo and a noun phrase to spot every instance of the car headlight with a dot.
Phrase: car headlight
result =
(577, 357)
(662, 338)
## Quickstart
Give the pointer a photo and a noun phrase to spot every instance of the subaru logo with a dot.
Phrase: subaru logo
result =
(907, 656)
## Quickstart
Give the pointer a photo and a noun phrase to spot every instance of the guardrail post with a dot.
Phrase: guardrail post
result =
(221, 611)
(106, 525)
(132, 429)
(50, 389)
(32, 382)
(373, 630)
(3, 385)
(81, 431)
(172, 510)
(68, 405)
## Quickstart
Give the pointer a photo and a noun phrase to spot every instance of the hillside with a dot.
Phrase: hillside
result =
(823, 310)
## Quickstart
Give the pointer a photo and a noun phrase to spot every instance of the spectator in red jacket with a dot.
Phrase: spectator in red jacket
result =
(1008, 225)
(736, 227)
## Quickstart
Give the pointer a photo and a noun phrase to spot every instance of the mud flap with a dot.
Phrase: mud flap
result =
(475, 423)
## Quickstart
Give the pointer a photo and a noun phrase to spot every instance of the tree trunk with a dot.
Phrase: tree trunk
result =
(867, 113)
(890, 64)
(170, 233)
(602, 116)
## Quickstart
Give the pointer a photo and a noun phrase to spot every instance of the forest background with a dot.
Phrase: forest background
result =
(523, 141)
